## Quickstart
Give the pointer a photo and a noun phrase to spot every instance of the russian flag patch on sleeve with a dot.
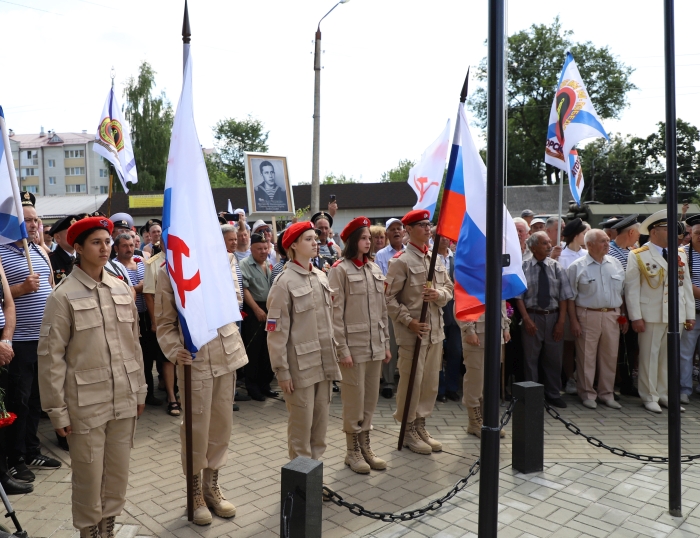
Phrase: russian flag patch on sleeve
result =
(271, 325)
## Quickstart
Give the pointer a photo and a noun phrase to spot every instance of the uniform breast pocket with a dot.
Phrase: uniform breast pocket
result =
(308, 354)
(358, 334)
(94, 386)
(132, 373)
(418, 276)
(230, 339)
(303, 298)
(440, 276)
(617, 282)
(356, 284)
(379, 280)
(124, 306)
(86, 313)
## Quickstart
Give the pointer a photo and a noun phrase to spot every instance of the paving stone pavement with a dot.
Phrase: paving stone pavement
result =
(583, 492)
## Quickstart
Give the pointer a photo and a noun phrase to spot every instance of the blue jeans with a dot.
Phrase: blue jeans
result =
(452, 363)
(689, 340)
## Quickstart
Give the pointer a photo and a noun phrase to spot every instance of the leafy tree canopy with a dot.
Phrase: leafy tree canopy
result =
(233, 137)
(398, 173)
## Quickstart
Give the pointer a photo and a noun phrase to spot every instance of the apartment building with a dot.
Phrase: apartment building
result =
(57, 164)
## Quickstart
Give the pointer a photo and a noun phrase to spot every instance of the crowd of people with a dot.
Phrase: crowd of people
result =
(88, 311)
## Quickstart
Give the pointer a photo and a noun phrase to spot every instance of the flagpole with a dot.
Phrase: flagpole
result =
(112, 74)
(15, 188)
(495, 171)
(673, 339)
(186, 35)
(561, 204)
(424, 309)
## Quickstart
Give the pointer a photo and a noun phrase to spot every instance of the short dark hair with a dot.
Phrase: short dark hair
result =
(118, 239)
(280, 248)
(266, 163)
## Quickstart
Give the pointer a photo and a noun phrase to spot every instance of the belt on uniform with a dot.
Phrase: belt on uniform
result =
(542, 312)
(599, 309)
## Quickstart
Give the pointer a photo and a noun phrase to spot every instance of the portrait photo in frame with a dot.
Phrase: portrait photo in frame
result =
(267, 184)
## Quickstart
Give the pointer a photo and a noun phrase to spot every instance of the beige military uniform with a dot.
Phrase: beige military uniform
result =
(91, 378)
(646, 297)
(302, 348)
(150, 276)
(360, 326)
(473, 381)
(407, 275)
(213, 380)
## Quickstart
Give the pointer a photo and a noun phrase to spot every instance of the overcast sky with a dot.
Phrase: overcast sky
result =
(392, 72)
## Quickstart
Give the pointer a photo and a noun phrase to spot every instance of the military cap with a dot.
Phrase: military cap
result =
(152, 222)
(27, 198)
(63, 224)
(87, 224)
(414, 216)
(606, 224)
(257, 238)
(292, 233)
(692, 221)
(622, 224)
(573, 228)
(122, 220)
(322, 215)
(655, 220)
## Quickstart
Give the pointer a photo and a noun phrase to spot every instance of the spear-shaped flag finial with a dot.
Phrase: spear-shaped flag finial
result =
(186, 33)
(465, 86)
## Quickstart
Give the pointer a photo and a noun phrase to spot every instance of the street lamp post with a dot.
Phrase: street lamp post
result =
(315, 204)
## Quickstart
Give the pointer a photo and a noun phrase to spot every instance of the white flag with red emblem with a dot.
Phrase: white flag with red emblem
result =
(425, 178)
(198, 264)
(112, 141)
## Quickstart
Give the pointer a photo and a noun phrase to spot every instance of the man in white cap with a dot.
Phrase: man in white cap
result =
(394, 236)
(646, 295)
(537, 225)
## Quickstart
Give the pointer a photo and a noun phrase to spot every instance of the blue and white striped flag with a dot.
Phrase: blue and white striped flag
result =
(12, 226)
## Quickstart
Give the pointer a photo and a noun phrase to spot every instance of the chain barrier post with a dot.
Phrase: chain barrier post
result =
(301, 503)
(528, 427)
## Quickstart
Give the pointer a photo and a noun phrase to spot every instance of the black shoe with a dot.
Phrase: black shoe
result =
(270, 393)
(62, 442)
(629, 391)
(19, 471)
(336, 388)
(12, 487)
(152, 400)
(235, 407)
(256, 395)
(387, 392)
(556, 402)
(451, 395)
(43, 462)
(240, 397)
(616, 397)
(441, 398)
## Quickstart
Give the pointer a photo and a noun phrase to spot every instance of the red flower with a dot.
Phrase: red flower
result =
(7, 419)
(622, 320)
(137, 259)
(120, 277)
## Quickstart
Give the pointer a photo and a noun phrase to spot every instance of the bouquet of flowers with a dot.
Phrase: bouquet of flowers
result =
(509, 310)
(6, 418)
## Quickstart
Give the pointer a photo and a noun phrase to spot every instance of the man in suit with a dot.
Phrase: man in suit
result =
(646, 295)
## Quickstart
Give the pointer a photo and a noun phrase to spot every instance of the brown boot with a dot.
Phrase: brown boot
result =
(214, 497)
(107, 527)
(436, 446)
(375, 463)
(90, 532)
(413, 441)
(202, 515)
(475, 421)
(353, 456)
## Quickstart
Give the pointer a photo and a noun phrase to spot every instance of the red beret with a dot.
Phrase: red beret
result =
(414, 216)
(354, 224)
(292, 233)
(86, 224)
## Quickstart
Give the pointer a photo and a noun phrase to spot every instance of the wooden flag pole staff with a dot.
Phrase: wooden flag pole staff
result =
(186, 34)
(424, 311)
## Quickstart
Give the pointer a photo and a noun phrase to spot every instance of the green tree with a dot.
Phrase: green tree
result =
(216, 171)
(535, 60)
(615, 171)
(653, 149)
(398, 173)
(232, 138)
(332, 179)
(151, 119)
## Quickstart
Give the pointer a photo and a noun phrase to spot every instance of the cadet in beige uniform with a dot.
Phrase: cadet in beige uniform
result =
(300, 342)
(406, 290)
(360, 326)
(91, 380)
(473, 333)
(213, 381)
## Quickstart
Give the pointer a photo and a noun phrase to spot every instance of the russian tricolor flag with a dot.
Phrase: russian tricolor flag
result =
(463, 219)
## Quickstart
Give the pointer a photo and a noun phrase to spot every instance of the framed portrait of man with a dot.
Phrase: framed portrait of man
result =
(267, 184)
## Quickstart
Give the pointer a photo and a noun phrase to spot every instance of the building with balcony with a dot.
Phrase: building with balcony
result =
(57, 164)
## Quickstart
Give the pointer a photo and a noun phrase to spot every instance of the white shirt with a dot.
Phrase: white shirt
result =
(569, 256)
(447, 260)
(597, 285)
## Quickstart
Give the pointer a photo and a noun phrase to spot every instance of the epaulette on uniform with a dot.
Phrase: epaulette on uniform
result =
(398, 253)
(681, 249)
(641, 249)
(150, 260)
(336, 264)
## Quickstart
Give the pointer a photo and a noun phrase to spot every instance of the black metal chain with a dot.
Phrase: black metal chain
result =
(389, 517)
(573, 428)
